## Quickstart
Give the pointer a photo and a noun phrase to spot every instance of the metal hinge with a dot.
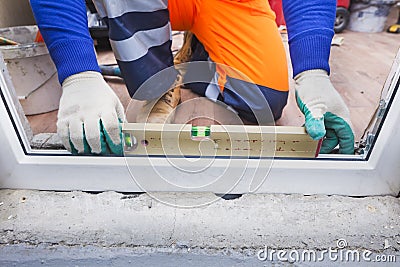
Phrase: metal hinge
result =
(382, 108)
(366, 144)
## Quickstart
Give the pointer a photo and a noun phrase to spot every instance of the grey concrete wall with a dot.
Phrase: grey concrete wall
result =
(15, 13)
(38, 222)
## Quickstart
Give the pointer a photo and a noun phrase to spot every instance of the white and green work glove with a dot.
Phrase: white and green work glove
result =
(326, 114)
(89, 116)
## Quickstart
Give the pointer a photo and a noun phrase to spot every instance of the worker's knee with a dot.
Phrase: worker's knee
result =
(254, 103)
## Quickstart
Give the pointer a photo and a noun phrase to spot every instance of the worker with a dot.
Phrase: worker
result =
(240, 34)
(395, 28)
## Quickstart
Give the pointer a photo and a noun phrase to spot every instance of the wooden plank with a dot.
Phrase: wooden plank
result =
(225, 140)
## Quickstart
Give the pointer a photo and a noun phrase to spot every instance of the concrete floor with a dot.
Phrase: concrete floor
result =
(113, 229)
(63, 256)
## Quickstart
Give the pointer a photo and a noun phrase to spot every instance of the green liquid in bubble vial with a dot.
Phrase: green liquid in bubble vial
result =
(200, 132)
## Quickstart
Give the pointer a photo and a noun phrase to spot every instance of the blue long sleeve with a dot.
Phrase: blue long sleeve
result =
(310, 29)
(63, 25)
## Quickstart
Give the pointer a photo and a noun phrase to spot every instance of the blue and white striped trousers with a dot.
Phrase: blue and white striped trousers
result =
(140, 36)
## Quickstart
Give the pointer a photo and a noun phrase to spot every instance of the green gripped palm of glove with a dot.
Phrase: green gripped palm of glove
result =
(90, 116)
(107, 145)
(326, 114)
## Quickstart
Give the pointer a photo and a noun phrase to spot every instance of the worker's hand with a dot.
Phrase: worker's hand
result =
(326, 114)
(89, 116)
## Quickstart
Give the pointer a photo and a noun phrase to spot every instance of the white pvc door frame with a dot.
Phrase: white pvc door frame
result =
(377, 174)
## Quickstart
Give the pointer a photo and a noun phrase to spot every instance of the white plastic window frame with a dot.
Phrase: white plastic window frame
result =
(375, 173)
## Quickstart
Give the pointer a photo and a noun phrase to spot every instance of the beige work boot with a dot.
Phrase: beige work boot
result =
(162, 109)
